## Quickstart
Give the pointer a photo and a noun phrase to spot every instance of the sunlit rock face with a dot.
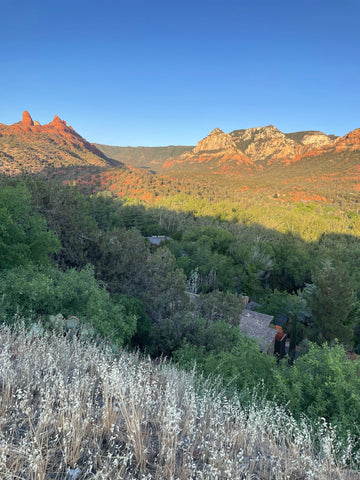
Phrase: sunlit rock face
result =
(268, 145)
(28, 145)
(258, 147)
(216, 140)
(316, 139)
(216, 152)
(349, 141)
(27, 120)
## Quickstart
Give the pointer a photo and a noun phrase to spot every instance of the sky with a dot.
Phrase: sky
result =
(154, 72)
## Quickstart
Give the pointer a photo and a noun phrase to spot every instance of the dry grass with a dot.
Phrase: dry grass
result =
(65, 405)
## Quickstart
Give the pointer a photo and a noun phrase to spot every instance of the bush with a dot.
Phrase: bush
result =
(323, 383)
(30, 291)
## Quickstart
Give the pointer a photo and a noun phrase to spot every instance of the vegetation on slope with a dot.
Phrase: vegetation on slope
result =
(282, 198)
(96, 263)
(73, 408)
(143, 157)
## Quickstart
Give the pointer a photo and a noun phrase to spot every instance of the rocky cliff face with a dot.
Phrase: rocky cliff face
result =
(57, 126)
(264, 144)
(218, 152)
(215, 141)
(316, 139)
(350, 141)
(268, 145)
(259, 147)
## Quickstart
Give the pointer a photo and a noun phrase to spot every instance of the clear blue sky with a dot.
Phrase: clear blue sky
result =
(154, 72)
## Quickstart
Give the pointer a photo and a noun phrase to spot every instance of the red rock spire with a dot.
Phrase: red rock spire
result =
(27, 120)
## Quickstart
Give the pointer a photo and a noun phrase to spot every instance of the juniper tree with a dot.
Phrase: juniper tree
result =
(330, 297)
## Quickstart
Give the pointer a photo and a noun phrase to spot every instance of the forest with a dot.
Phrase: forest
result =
(83, 263)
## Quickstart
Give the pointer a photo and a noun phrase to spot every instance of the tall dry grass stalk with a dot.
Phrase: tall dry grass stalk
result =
(64, 404)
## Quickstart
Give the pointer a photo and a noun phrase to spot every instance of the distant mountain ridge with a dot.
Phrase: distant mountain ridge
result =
(143, 157)
(27, 145)
(238, 152)
(260, 147)
(260, 162)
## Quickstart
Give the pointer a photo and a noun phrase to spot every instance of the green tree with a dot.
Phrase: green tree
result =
(135, 308)
(24, 236)
(330, 298)
(216, 305)
(121, 260)
(68, 215)
(292, 264)
(164, 286)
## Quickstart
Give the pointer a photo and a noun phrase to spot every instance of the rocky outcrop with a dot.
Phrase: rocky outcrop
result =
(28, 125)
(268, 145)
(349, 141)
(217, 152)
(58, 124)
(316, 139)
(265, 144)
(216, 140)
(35, 147)
(27, 120)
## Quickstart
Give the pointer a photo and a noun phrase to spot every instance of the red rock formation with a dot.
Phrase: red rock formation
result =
(58, 124)
(216, 140)
(27, 120)
(218, 152)
(349, 141)
(33, 145)
(268, 145)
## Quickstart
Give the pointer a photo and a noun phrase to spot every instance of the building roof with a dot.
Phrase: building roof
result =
(250, 305)
(256, 325)
(157, 239)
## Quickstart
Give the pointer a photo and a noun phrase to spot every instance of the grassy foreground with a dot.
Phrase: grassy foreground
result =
(69, 405)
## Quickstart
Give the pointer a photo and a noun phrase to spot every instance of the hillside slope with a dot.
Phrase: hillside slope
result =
(74, 406)
(32, 147)
(143, 157)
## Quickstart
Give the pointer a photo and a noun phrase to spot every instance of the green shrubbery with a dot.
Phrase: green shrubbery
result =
(31, 292)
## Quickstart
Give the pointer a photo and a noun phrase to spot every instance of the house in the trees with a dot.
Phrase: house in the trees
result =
(259, 326)
(156, 240)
